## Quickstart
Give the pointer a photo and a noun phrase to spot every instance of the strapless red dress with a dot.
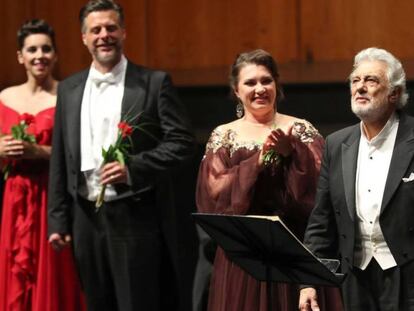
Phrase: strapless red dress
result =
(32, 275)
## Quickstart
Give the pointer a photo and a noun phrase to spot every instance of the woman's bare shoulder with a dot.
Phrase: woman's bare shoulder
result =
(288, 119)
(10, 93)
(229, 126)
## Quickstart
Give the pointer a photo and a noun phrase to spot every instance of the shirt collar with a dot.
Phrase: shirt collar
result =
(383, 134)
(114, 76)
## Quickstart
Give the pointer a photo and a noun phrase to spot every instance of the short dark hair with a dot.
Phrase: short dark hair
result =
(100, 5)
(256, 57)
(35, 26)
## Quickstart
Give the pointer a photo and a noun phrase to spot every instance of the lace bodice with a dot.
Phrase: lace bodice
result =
(228, 138)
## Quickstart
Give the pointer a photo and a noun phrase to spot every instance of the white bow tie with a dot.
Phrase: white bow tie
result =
(99, 78)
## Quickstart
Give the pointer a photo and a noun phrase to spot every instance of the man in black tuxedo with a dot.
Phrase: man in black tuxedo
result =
(125, 251)
(364, 210)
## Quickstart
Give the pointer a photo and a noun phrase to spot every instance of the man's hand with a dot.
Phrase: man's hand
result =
(308, 300)
(113, 173)
(59, 241)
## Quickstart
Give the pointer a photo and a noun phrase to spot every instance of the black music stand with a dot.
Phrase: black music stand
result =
(266, 249)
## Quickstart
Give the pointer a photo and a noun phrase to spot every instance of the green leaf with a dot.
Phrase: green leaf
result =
(31, 139)
(119, 156)
(6, 171)
(271, 157)
(17, 132)
(109, 154)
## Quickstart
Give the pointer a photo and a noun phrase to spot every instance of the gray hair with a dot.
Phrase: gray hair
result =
(395, 71)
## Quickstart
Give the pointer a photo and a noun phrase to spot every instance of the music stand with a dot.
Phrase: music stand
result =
(267, 250)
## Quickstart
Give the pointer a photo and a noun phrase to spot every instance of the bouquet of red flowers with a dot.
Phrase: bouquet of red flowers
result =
(116, 152)
(19, 132)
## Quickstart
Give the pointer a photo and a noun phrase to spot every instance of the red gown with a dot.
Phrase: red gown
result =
(32, 275)
(230, 181)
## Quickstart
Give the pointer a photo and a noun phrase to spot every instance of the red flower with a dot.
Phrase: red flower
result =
(126, 129)
(119, 151)
(27, 118)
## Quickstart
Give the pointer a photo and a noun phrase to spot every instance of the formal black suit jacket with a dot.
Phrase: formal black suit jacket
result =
(150, 95)
(332, 225)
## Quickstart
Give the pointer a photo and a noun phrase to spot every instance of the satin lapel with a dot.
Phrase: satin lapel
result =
(73, 117)
(401, 157)
(134, 94)
(349, 166)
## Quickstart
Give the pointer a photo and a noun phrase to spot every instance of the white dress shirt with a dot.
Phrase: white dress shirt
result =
(374, 159)
(100, 115)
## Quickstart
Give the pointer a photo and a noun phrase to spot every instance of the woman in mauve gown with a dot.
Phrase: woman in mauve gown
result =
(263, 163)
(32, 275)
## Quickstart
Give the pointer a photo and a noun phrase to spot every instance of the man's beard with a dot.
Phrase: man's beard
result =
(372, 111)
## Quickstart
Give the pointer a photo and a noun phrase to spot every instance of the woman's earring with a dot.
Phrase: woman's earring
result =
(239, 110)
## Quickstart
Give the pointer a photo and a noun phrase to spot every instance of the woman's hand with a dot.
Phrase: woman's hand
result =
(30, 150)
(15, 149)
(10, 148)
(4, 139)
(280, 142)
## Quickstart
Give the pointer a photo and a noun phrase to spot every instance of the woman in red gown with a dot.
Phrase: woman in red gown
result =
(235, 179)
(32, 275)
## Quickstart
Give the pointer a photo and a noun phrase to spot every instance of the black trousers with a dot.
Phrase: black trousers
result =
(374, 289)
(118, 252)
